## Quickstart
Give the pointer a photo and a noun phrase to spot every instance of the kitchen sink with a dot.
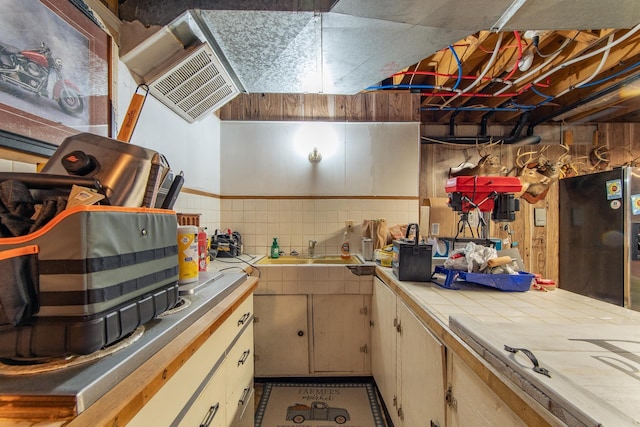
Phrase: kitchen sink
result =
(319, 259)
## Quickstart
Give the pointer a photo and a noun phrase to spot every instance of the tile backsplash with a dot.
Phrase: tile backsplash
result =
(13, 166)
(207, 207)
(296, 221)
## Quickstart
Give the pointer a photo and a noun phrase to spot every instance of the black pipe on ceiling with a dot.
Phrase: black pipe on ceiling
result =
(583, 101)
(472, 140)
(513, 139)
(484, 121)
(522, 120)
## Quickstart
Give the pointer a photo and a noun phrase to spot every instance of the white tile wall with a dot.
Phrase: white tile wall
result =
(11, 166)
(208, 207)
(296, 221)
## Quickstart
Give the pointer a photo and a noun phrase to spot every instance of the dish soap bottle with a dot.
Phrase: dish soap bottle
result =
(345, 252)
(275, 249)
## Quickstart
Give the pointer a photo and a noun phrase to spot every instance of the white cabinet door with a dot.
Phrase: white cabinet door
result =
(383, 344)
(341, 334)
(421, 360)
(281, 335)
(475, 403)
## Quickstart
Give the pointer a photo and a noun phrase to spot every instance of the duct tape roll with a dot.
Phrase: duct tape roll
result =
(440, 248)
(187, 254)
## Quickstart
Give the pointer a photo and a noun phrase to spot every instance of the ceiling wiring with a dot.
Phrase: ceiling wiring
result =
(588, 55)
(485, 70)
(603, 60)
(541, 66)
(495, 83)
(455, 55)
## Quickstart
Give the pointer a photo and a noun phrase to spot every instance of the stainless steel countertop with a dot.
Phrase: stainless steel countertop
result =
(90, 380)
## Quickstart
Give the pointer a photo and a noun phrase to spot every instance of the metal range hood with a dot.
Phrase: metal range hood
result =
(181, 65)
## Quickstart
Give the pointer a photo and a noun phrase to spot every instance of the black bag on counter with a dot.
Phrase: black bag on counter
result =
(412, 258)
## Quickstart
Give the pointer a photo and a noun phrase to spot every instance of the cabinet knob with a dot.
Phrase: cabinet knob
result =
(300, 333)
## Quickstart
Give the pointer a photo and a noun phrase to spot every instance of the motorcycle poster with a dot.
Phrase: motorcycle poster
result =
(52, 75)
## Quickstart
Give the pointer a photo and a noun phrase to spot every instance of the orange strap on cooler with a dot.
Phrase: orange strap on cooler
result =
(133, 113)
(12, 253)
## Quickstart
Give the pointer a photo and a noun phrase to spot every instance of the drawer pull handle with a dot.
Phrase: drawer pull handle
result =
(211, 413)
(244, 318)
(243, 398)
(244, 357)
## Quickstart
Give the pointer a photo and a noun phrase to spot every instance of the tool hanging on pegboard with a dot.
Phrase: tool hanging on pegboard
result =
(133, 113)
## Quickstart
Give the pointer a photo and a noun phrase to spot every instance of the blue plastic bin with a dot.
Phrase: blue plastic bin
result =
(520, 282)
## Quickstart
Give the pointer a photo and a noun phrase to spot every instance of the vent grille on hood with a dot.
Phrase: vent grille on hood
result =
(195, 85)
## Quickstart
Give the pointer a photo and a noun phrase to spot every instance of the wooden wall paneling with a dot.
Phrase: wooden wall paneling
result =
(369, 108)
(292, 106)
(355, 107)
(425, 177)
(308, 107)
(270, 106)
(414, 106)
(315, 107)
(249, 108)
(234, 109)
(340, 108)
(539, 256)
(552, 232)
(321, 107)
(372, 106)
(381, 107)
(399, 107)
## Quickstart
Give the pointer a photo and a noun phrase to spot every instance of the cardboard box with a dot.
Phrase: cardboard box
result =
(437, 219)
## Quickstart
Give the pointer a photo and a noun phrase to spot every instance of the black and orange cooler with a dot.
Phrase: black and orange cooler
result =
(86, 279)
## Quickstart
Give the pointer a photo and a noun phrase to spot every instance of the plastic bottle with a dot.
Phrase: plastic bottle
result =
(345, 252)
(275, 249)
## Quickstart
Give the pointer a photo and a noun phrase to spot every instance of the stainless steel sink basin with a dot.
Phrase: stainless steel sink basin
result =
(319, 259)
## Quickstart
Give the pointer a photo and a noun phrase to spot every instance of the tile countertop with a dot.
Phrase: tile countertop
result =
(591, 348)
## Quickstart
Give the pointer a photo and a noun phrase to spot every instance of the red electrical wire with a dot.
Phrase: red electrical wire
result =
(479, 95)
(515, 65)
(467, 77)
(433, 73)
(486, 95)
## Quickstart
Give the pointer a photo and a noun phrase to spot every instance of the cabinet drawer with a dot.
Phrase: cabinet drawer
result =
(167, 403)
(241, 411)
(240, 364)
(209, 408)
(240, 316)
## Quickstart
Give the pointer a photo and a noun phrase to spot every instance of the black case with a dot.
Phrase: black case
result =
(412, 258)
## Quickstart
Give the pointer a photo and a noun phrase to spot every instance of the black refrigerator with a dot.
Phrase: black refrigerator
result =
(600, 236)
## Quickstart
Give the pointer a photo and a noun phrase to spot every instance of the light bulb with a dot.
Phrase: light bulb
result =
(315, 156)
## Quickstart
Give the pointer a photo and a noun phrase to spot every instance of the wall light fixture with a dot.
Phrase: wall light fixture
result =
(315, 156)
(316, 141)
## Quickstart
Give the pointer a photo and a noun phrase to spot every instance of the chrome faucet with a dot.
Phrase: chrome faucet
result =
(312, 248)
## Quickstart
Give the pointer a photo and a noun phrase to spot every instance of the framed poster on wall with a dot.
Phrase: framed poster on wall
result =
(54, 71)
